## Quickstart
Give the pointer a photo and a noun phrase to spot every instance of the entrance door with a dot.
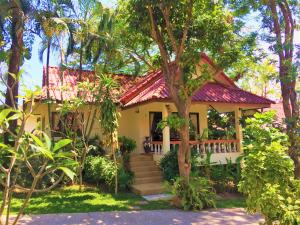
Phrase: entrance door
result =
(155, 132)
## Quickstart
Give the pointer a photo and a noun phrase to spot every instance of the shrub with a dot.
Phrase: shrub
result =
(195, 195)
(225, 177)
(95, 147)
(101, 170)
(169, 164)
(125, 179)
(127, 145)
(267, 176)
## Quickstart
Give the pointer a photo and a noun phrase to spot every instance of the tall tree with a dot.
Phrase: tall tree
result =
(13, 16)
(181, 30)
(279, 18)
(53, 21)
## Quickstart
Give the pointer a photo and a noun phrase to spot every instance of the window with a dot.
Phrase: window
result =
(62, 124)
(194, 128)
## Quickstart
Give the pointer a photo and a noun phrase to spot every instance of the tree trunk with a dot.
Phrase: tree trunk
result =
(291, 112)
(47, 84)
(16, 51)
(184, 152)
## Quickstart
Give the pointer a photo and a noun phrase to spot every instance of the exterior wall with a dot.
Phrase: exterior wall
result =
(40, 113)
(134, 123)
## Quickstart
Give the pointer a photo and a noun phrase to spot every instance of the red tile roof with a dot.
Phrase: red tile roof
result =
(210, 92)
(151, 87)
(63, 84)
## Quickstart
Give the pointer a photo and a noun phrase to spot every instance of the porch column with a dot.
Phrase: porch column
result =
(238, 128)
(166, 130)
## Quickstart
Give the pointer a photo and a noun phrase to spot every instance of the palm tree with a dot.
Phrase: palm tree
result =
(54, 22)
(14, 13)
(95, 25)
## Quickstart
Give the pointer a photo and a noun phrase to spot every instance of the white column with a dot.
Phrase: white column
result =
(166, 130)
(203, 118)
(238, 128)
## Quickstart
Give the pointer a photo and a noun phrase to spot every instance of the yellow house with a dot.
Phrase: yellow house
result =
(144, 101)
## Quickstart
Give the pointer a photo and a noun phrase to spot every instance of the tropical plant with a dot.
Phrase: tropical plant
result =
(83, 122)
(169, 164)
(195, 195)
(24, 149)
(127, 145)
(101, 170)
(267, 175)
(52, 26)
(14, 15)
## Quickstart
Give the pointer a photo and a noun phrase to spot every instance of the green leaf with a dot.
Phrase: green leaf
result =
(3, 114)
(62, 143)
(68, 172)
(37, 140)
(46, 153)
(47, 140)
(15, 116)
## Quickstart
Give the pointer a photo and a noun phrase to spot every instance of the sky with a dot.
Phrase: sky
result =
(33, 68)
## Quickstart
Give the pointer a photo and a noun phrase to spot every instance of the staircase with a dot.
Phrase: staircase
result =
(148, 179)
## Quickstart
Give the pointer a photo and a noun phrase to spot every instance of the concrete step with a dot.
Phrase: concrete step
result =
(146, 180)
(143, 167)
(148, 189)
(141, 156)
(144, 174)
(141, 163)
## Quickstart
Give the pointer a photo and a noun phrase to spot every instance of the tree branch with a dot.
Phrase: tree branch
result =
(157, 36)
(185, 31)
(287, 30)
(277, 28)
(166, 14)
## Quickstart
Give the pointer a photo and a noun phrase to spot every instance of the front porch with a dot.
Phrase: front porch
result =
(143, 120)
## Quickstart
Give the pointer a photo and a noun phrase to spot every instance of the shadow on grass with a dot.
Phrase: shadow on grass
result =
(88, 200)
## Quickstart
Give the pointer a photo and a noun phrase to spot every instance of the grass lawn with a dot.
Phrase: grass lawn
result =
(231, 203)
(71, 200)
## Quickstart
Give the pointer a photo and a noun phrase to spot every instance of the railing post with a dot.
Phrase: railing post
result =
(166, 130)
(238, 129)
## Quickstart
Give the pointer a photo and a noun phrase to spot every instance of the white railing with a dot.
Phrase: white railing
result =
(216, 146)
(203, 147)
(157, 147)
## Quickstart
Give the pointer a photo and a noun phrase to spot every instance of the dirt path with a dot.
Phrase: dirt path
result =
(155, 217)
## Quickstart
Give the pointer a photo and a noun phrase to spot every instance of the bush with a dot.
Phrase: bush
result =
(267, 176)
(169, 164)
(195, 195)
(127, 145)
(225, 177)
(95, 148)
(100, 170)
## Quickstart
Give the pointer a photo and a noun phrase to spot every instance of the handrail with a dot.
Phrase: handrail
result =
(213, 146)
(200, 142)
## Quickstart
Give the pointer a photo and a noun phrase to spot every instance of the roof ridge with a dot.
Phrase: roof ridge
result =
(148, 80)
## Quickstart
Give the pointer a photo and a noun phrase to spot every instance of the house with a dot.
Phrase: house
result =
(144, 101)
